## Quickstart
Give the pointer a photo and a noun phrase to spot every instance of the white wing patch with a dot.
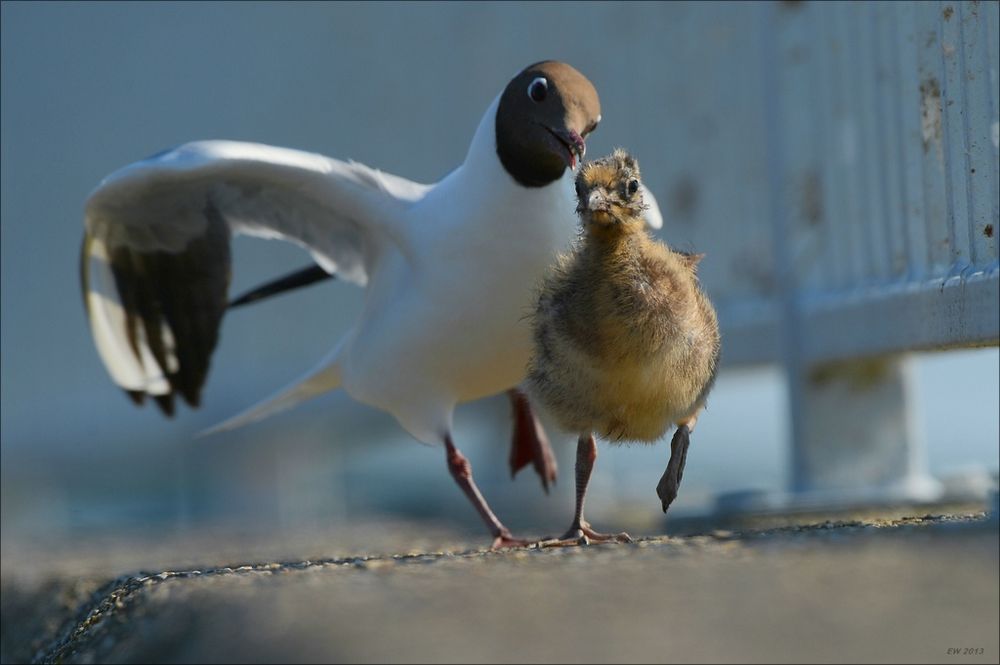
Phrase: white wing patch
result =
(108, 325)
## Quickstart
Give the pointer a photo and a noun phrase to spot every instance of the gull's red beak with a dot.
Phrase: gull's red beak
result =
(574, 144)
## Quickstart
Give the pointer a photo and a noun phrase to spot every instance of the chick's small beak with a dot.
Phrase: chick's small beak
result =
(597, 201)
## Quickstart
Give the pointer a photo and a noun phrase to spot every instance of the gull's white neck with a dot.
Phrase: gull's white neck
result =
(482, 163)
(483, 173)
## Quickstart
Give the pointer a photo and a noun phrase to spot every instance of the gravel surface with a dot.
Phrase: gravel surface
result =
(906, 589)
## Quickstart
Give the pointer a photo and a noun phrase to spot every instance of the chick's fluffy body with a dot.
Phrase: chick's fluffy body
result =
(626, 342)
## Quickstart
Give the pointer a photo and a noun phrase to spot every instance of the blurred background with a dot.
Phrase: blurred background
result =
(812, 150)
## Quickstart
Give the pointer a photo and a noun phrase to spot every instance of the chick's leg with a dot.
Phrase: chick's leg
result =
(580, 532)
(670, 482)
(461, 471)
(530, 443)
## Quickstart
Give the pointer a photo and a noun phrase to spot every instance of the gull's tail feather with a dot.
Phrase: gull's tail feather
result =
(324, 378)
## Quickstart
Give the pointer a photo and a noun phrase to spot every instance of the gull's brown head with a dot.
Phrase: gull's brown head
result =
(543, 119)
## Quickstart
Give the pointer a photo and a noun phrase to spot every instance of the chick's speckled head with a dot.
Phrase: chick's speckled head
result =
(609, 194)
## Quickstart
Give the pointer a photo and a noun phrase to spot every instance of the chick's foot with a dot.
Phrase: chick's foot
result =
(585, 535)
(670, 482)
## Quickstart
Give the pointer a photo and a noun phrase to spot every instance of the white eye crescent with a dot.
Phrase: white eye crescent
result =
(538, 89)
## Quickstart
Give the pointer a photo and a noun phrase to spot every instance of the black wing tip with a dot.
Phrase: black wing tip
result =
(192, 397)
(166, 404)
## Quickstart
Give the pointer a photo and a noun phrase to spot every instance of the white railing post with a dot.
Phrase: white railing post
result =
(856, 439)
(852, 434)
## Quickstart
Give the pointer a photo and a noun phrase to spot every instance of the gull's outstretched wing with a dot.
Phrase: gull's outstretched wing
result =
(155, 263)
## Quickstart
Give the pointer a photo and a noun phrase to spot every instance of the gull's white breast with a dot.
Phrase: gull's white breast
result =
(447, 323)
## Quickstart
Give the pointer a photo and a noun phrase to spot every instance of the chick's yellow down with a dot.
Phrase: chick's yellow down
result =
(626, 344)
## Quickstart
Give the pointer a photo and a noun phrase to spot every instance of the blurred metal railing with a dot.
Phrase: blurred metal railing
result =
(881, 153)
(885, 157)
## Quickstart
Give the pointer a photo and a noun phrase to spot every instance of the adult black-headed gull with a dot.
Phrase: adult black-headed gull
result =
(448, 269)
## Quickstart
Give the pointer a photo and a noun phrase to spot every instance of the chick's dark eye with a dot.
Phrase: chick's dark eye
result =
(538, 89)
(633, 187)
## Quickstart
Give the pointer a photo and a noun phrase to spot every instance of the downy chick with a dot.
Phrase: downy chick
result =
(626, 344)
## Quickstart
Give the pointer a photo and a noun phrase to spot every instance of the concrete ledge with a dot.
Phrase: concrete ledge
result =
(850, 590)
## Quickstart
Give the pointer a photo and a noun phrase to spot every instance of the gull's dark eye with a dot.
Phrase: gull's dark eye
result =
(538, 89)
(633, 187)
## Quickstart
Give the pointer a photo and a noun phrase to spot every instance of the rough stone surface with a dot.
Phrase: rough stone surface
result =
(860, 589)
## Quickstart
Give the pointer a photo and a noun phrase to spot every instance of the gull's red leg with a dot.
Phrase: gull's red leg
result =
(530, 445)
(461, 471)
